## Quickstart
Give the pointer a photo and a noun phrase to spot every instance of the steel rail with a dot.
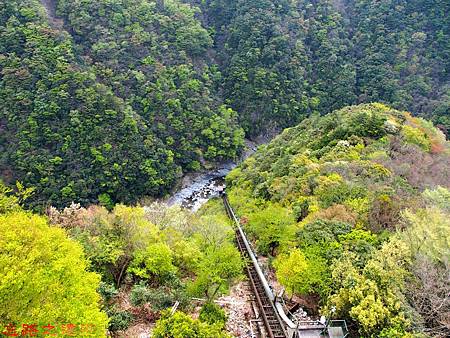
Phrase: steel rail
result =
(269, 311)
(277, 324)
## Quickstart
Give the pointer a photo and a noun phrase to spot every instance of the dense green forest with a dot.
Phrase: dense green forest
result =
(353, 209)
(75, 128)
(72, 267)
(109, 101)
(107, 104)
(283, 60)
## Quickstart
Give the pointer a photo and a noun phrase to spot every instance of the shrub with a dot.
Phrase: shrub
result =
(139, 295)
(213, 314)
(159, 299)
(371, 295)
(416, 136)
(119, 320)
(439, 197)
(361, 242)
(106, 201)
(181, 325)
(360, 206)
(219, 267)
(107, 291)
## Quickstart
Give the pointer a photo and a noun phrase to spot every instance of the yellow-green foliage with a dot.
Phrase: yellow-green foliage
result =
(156, 259)
(322, 198)
(44, 278)
(370, 295)
(219, 267)
(344, 151)
(215, 207)
(272, 227)
(180, 325)
(159, 244)
(7, 202)
(428, 232)
(245, 201)
(336, 159)
(298, 273)
(186, 253)
(416, 136)
(291, 270)
(122, 235)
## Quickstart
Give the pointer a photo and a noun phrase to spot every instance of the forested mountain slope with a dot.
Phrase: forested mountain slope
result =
(113, 100)
(112, 113)
(105, 102)
(283, 59)
(354, 209)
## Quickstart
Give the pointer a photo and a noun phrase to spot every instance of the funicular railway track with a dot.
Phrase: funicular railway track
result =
(271, 310)
(273, 324)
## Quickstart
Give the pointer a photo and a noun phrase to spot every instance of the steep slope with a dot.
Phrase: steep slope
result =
(77, 129)
(283, 60)
(154, 56)
(169, 89)
(64, 133)
(342, 203)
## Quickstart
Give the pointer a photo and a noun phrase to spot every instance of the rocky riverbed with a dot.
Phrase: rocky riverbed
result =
(197, 188)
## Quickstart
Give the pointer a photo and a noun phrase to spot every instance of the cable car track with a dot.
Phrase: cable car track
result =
(271, 311)
(273, 324)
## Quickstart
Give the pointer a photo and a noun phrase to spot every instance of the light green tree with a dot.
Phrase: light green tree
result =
(371, 296)
(44, 278)
(290, 271)
(218, 268)
(428, 232)
(155, 260)
(271, 227)
(111, 240)
(180, 325)
(300, 274)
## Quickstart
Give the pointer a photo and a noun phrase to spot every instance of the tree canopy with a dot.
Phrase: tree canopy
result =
(355, 207)
(109, 101)
(45, 279)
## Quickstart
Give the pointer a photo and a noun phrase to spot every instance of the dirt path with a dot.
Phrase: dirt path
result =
(239, 310)
(50, 9)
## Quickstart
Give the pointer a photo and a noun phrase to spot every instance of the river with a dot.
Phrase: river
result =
(197, 188)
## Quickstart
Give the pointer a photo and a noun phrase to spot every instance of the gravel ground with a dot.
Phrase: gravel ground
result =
(239, 310)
